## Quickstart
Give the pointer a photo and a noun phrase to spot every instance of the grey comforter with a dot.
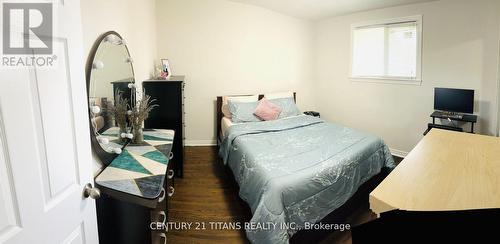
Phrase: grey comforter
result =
(298, 170)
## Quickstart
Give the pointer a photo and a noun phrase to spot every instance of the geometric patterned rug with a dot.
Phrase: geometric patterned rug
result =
(140, 169)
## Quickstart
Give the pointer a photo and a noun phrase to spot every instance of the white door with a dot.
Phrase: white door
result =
(45, 153)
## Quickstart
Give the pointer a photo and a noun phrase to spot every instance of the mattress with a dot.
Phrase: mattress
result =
(298, 170)
(225, 124)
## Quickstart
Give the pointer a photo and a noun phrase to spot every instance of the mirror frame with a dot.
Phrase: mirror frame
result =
(105, 157)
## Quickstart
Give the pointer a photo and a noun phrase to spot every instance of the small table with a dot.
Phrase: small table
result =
(447, 170)
(469, 118)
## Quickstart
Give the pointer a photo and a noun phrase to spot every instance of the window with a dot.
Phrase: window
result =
(388, 50)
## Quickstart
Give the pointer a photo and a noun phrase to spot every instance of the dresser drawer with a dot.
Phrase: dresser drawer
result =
(170, 183)
(159, 219)
(158, 238)
(159, 216)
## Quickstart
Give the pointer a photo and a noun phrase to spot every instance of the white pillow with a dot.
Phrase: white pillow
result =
(225, 108)
(275, 95)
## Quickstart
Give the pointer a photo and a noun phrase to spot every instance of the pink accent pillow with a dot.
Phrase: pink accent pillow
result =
(267, 110)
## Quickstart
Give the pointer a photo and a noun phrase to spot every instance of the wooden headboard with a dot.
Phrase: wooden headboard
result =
(220, 114)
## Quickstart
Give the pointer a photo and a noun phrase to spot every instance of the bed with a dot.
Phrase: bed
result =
(299, 170)
(224, 125)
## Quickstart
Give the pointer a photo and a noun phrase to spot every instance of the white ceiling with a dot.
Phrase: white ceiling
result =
(318, 9)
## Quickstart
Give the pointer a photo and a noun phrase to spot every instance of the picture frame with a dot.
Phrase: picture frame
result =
(166, 70)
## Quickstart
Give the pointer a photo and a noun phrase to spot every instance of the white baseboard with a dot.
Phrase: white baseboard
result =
(199, 143)
(398, 153)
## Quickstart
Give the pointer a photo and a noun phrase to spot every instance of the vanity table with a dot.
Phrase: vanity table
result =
(135, 188)
(132, 191)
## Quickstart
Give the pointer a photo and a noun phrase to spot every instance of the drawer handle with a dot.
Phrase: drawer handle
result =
(162, 195)
(170, 174)
(170, 155)
(162, 235)
(162, 213)
(172, 191)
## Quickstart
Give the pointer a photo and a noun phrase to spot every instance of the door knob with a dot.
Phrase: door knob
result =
(92, 192)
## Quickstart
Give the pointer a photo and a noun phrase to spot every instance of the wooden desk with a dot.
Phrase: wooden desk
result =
(447, 170)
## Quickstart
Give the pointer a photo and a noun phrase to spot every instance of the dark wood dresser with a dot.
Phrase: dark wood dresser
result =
(169, 95)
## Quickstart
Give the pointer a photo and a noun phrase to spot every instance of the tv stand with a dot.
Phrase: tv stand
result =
(450, 115)
(468, 118)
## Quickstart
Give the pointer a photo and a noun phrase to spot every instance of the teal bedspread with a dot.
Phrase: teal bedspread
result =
(297, 170)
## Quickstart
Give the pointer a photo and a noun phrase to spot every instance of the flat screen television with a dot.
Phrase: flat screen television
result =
(454, 100)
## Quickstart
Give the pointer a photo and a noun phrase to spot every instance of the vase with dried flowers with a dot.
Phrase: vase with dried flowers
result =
(119, 112)
(140, 112)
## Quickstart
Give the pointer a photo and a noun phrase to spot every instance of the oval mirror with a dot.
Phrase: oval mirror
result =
(109, 74)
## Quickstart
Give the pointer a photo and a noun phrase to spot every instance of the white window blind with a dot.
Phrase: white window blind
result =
(387, 50)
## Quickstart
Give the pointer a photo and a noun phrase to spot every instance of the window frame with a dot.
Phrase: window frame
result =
(417, 80)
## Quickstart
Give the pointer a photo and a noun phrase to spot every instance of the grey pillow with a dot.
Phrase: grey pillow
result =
(288, 106)
(243, 111)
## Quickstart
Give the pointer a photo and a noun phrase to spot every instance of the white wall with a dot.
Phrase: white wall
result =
(226, 48)
(134, 20)
(230, 48)
(498, 78)
(460, 49)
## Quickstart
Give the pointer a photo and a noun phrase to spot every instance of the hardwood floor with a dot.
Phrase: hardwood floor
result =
(208, 193)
